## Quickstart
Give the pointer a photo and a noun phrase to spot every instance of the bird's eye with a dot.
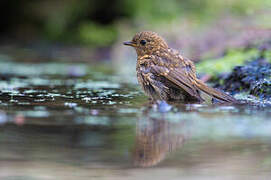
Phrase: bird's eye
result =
(143, 42)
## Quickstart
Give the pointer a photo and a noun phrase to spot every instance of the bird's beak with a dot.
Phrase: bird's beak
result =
(129, 43)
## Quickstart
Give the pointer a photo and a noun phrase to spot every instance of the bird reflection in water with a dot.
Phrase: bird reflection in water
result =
(156, 137)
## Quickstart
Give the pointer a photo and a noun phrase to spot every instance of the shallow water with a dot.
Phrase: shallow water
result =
(77, 121)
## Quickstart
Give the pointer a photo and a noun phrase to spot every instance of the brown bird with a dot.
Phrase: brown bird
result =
(166, 75)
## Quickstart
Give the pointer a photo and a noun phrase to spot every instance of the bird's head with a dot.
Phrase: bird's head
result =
(146, 43)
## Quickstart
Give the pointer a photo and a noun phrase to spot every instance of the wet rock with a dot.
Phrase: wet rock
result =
(253, 78)
(262, 89)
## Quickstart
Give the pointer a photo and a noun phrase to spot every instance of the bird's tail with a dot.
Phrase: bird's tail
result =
(216, 93)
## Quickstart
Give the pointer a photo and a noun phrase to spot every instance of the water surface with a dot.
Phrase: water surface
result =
(78, 121)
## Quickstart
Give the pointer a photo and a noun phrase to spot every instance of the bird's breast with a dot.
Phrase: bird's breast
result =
(144, 64)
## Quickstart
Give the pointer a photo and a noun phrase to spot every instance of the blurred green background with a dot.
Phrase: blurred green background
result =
(102, 24)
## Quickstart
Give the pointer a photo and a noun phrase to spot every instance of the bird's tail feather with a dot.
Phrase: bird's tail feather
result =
(216, 93)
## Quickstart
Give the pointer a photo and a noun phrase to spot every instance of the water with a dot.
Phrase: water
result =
(77, 121)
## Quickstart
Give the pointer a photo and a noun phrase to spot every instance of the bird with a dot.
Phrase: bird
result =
(164, 74)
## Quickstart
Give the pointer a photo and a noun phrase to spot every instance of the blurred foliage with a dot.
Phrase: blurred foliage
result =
(158, 11)
(98, 35)
(96, 22)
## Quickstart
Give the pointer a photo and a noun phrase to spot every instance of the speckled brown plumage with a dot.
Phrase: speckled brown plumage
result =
(165, 75)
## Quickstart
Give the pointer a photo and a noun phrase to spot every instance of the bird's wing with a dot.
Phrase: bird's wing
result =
(182, 73)
(179, 71)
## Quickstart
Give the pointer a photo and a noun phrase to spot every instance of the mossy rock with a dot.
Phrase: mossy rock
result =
(226, 63)
(254, 78)
(262, 89)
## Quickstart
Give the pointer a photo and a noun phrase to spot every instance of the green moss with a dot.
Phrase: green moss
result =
(267, 55)
(226, 63)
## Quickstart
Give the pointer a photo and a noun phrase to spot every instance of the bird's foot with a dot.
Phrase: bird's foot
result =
(163, 106)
